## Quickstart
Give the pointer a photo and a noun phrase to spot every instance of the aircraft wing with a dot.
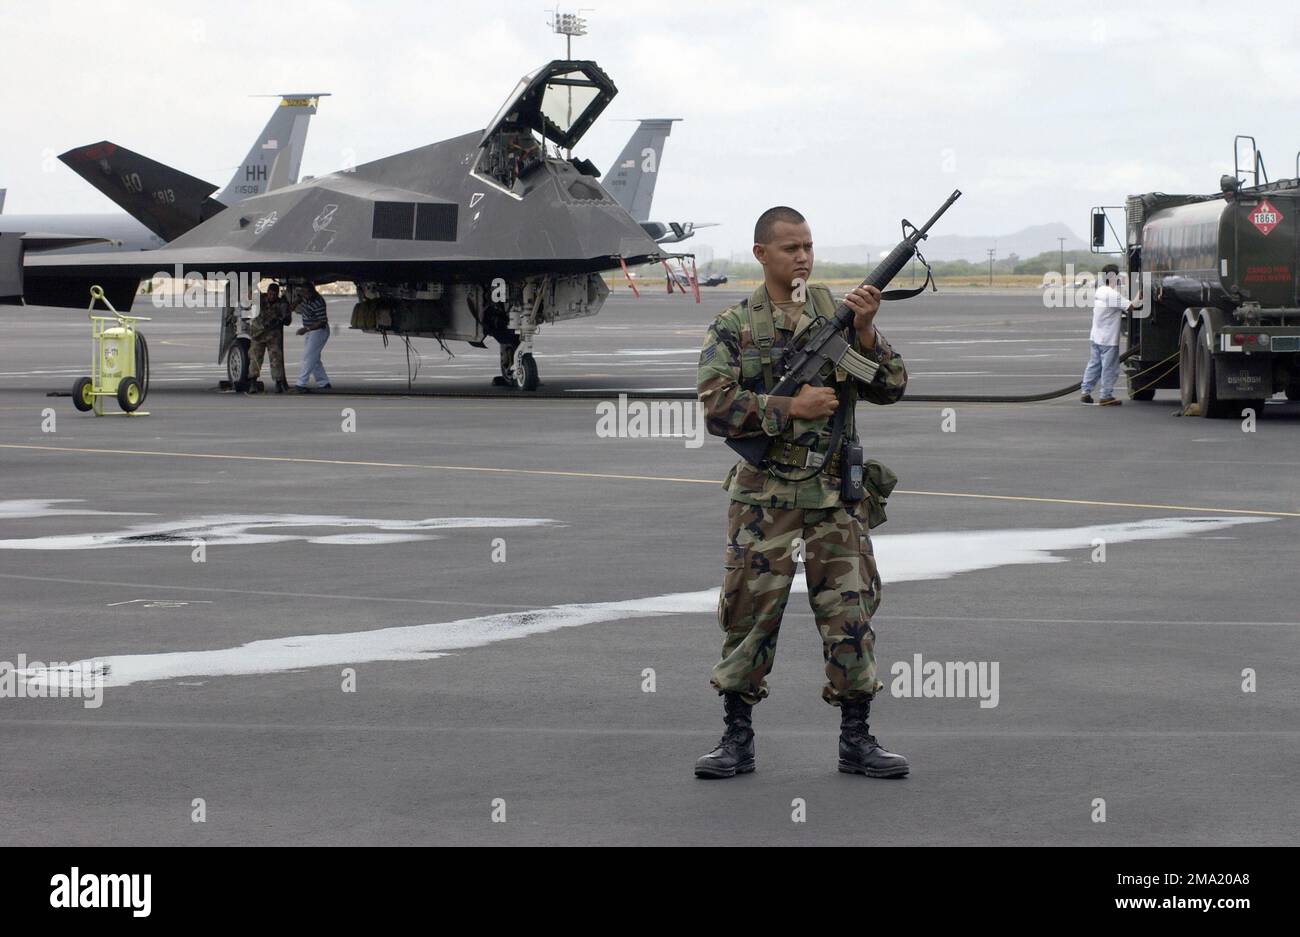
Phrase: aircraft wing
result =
(65, 279)
(15, 247)
(36, 241)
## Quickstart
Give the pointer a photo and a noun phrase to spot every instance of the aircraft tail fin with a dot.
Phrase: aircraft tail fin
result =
(166, 201)
(631, 180)
(276, 156)
(2, 200)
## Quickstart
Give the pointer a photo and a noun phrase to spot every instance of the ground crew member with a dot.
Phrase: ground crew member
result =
(267, 333)
(770, 511)
(316, 326)
(1103, 340)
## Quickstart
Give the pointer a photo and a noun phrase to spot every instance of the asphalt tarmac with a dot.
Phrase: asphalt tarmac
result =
(424, 620)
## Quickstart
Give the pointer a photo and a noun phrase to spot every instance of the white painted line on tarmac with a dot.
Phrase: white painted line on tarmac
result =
(901, 558)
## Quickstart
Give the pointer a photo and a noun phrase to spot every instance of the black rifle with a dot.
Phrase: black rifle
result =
(825, 345)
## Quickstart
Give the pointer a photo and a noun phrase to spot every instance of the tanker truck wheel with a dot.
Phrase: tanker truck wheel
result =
(1206, 394)
(83, 397)
(1187, 366)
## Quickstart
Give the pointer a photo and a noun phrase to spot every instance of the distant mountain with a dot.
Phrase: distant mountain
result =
(1027, 242)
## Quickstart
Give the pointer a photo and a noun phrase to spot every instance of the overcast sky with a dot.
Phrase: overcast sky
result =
(856, 113)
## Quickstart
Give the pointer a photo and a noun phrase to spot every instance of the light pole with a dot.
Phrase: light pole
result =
(992, 251)
(568, 25)
(1062, 240)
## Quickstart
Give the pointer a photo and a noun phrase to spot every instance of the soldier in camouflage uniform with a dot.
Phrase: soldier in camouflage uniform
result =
(267, 334)
(793, 513)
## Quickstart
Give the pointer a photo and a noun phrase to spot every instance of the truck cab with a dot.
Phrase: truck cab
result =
(1219, 277)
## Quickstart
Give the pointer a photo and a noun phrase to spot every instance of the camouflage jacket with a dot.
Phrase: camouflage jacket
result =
(730, 387)
(270, 318)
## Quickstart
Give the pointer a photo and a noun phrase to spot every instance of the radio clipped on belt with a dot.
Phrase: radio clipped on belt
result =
(851, 490)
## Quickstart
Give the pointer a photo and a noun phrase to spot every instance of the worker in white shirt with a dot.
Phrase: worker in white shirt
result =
(1103, 358)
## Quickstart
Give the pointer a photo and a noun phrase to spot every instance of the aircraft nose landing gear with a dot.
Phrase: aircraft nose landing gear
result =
(518, 366)
(518, 369)
(525, 371)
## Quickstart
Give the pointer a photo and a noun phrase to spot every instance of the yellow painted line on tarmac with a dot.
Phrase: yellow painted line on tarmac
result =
(361, 464)
(1107, 504)
(641, 478)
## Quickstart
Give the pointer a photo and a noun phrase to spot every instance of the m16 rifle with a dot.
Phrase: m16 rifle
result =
(824, 347)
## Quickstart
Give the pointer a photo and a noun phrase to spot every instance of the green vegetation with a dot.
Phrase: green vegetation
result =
(976, 271)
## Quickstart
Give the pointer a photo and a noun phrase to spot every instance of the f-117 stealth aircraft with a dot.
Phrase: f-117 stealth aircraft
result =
(491, 233)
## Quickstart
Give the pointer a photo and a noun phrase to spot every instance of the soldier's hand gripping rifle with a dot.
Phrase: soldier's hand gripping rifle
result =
(822, 346)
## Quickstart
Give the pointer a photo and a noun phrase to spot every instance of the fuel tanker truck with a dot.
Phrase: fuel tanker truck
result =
(1221, 278)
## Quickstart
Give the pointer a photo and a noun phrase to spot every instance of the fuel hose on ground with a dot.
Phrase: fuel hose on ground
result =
(633, 394)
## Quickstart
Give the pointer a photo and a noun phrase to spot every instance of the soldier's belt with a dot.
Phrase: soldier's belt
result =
(805, 457)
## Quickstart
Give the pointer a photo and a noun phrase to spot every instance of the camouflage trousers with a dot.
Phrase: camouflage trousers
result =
(272, 343)
(843, 590)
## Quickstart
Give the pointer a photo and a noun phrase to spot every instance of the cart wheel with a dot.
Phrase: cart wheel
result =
(237, 364)
(142, 365)
(128, 394)
(83, 394)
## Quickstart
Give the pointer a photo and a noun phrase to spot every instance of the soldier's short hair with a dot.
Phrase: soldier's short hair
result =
(767, 221)
(1111, 268)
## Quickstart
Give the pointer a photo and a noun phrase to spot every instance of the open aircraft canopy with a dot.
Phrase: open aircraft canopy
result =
(560, 100)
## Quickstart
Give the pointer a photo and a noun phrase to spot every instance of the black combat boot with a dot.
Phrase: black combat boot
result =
(281, 387)
(735, 751)
(860, 753)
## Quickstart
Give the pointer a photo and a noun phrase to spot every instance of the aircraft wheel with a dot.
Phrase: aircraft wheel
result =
(526, 373)
(237, 363)
(82, 394)
(1187, 365)
(129, 394)
(1206, 392)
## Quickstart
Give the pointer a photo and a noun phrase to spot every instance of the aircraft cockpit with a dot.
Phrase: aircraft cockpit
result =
(555, 105)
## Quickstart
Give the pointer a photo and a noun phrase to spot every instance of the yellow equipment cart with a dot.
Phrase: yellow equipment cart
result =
(119, 366)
